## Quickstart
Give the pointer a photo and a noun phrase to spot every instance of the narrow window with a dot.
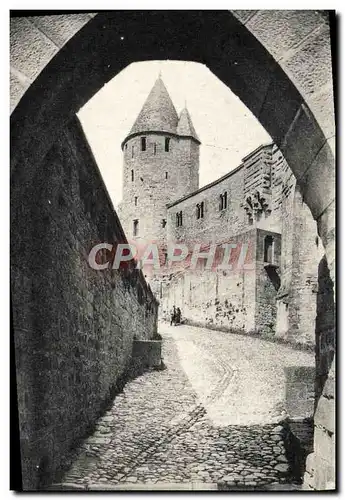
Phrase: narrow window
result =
(143, 144)
(135, 227)
(126, 146)
(223, 201)
(135, 200)
(132, 151)
(132, 174)
(164, 222)
(154, 148)
(268, 249)
(167, 144)
(198, 211)
(166, 175)
(179, 219)
(201, 210)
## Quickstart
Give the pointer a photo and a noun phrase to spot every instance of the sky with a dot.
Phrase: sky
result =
(227, 129)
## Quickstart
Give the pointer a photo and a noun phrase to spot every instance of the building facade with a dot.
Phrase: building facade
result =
(256, 206)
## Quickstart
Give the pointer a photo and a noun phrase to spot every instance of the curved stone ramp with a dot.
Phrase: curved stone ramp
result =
(239, 379)
(157, 431)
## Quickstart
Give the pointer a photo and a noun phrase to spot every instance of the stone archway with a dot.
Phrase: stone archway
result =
(277, 62)
(264, 56)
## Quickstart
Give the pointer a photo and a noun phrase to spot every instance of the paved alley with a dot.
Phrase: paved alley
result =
(209, 417)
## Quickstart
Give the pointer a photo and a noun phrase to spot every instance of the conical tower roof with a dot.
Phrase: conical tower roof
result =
(158, 113)
(185, 125)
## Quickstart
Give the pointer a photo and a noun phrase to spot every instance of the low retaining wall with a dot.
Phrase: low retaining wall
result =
(300, 391)
(299, 404)
(147, 353)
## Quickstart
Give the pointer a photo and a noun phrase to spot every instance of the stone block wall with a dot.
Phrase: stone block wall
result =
(307, 252)
(147, 353)
(320, 471)
(214, 298)
(301, 252)
(325, 326)
(73, 325)
(321, 464)
(299, 404)
(216, 224)
(239, 299)
(299, 391)
(267, 281)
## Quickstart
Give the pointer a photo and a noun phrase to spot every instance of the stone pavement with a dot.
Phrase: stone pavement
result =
(240, 380)
(172, 426)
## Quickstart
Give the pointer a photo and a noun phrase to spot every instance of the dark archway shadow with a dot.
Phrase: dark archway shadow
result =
(324, 327)
(97, 53)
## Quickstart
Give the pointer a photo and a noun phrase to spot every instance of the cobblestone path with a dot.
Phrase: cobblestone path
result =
(159, 428)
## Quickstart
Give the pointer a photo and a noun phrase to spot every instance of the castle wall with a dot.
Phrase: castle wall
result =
(240, 299)
(215, 298)
(320, 466)
(301, 254)
(73, 325)
(216, 225)
(159, 176)
(307, 253)
(262, 171)
(287, 311)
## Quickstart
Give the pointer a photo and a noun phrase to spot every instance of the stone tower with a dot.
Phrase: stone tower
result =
(161, 164)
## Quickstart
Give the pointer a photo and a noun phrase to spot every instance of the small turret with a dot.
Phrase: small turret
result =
(185, 127)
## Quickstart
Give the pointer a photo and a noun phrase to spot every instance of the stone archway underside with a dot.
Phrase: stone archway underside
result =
(264, 56)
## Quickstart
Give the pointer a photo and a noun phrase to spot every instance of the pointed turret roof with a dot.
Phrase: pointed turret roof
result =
(158, 113)
(185, 125)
